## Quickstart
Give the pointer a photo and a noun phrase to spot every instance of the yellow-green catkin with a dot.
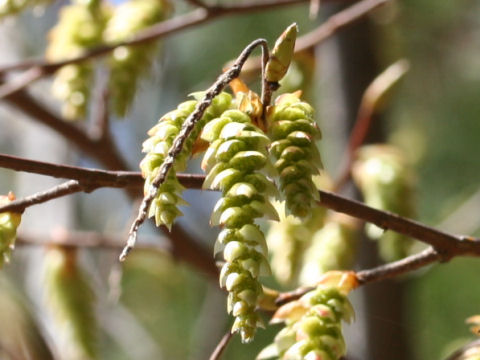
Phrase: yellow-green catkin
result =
(169, 196)
(128, 63)
(313, 327)
(385, 180)
(236, 161)
(9, 222)
(13, 7)
(293, 132)
(287, 241)
(71, 302)
(333, 247)
(80, 27)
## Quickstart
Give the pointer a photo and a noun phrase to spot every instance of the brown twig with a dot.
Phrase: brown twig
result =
(331, 26)
(446, 244)
(400, 267)
(67, 188)
(382, 272)
(222, 345)
(94, 177)
(371, 100)
(100, 121)
(177, 146)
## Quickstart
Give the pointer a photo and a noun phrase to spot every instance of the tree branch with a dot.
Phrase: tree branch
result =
(222, 345)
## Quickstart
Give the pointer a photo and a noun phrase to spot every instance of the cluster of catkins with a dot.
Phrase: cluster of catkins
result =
(84, 25)
(385, 180)
(9, 222)
(313, 323)
(248, 149)
(238, 162)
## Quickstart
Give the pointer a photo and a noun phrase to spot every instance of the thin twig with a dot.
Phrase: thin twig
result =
(222, 345)
(400, 267)
(331, 26)
(446, 244)
(22, 81)
(182, 136)
(67, 188)
(387, 271)
(94, 177)
(371, 100)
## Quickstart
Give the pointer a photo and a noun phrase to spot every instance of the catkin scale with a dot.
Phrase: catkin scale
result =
(234, 161)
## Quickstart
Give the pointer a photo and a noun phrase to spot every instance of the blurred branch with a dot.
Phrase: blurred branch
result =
(67, 188)
(222, 345)
(41, 67)
(471, 349)
(333, 24)
(100, 123)
(82, 239)
(447, 245)
(372, 99)
(222, 81)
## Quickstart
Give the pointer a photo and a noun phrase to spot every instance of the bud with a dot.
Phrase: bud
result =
(282, 54)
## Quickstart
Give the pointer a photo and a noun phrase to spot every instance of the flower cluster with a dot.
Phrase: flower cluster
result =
(313, 326)
(165, 205)
(9, 222)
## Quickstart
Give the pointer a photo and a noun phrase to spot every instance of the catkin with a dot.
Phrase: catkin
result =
(234, 162)
(128, 63)
(313, 327)
(79, 28)
(293, 132)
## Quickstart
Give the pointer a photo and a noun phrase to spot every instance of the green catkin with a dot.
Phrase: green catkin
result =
(293, 132)
(313, 327)
(234, 162)
(80, 28)
(287, 241)
(128, 63)
(71, 301)
(385, 180)
(9, 223)
(165, 205)
(333, 248)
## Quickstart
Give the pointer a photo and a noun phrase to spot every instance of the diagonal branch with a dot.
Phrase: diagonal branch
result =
(179, 141)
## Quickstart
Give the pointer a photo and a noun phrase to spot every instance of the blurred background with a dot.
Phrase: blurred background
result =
(154, 307)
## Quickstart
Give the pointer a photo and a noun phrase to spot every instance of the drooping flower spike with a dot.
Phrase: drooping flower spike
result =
(293, 132)
(235, 162)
